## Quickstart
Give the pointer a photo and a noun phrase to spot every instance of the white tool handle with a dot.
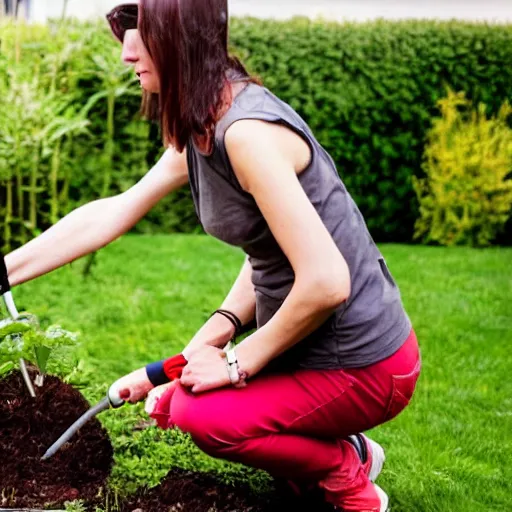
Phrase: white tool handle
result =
(113, 396)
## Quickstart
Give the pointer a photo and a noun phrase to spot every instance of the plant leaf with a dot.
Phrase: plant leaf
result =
(42, 355)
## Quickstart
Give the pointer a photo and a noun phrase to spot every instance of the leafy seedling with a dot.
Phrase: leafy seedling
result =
(23, 338)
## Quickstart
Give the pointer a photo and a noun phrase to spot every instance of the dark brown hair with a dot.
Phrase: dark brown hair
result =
(188, 42)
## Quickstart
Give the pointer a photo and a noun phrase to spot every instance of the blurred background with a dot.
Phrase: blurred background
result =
(405, 96)
(356, 10)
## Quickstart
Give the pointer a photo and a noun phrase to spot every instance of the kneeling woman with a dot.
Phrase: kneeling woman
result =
(334, 352)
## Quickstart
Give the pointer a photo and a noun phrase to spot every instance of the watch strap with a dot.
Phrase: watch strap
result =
(232, 364)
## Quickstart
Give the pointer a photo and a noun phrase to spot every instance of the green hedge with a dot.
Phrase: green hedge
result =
(368, 91)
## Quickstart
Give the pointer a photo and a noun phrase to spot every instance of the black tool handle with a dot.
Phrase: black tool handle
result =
(4, 279)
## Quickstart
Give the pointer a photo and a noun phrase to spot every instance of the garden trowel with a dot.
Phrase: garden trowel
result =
(5, 291)
(111, 400)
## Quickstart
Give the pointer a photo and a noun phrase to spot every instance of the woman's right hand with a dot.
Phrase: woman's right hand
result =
(133, 387)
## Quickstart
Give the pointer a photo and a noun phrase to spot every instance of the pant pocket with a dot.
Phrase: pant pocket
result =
(403, 387)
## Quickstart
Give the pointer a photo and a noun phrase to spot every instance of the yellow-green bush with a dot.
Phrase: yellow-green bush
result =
(466, 197)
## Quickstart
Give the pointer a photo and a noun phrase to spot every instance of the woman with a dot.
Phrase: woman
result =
(334, 353)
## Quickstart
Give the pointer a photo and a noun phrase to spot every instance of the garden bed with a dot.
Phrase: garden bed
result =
(80, 469)
(29, 426)
(189, 491)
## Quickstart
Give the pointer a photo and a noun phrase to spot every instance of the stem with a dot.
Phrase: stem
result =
(33, 190)
(26, 378)
(109, 144)
(88, 265)
(53, 83)
(64, 194)
(19, 191)
(18, 175)
(54, 175)
(8, 216)
(19, 187)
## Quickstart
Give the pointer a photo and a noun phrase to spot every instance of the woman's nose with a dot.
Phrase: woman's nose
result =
(129, 54)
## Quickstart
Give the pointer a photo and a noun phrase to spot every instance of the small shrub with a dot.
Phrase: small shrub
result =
(466, 197)
(75, 506)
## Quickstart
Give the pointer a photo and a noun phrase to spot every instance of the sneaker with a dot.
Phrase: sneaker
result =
(371, 454)
(384, 502)
(372, 458)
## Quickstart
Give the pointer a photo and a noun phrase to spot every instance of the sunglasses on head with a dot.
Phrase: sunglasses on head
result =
(122, 18)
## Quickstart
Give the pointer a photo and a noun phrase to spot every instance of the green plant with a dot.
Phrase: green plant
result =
(24, 338)
(75, 506)
(368, 91)
(38, 126)
(466, 196)
(116, 82)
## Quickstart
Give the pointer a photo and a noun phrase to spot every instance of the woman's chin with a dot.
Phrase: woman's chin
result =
(148, 84)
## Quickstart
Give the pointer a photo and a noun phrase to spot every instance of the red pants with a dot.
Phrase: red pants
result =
(291, 425)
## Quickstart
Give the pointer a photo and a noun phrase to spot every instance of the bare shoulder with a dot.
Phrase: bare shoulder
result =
(262, 139)
(250, 134)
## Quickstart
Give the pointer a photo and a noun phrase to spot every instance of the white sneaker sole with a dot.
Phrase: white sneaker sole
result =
(378, 459)
(384, 500)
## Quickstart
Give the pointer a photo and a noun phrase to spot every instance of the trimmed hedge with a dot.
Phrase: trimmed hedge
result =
(368, 91)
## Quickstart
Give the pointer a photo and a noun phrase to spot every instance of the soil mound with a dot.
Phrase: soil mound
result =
(189, 491)
(28, 426)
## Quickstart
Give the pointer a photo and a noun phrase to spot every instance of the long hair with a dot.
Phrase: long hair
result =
(188, 42)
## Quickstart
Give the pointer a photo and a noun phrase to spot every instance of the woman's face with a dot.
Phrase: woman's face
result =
(123, 21)
(135, 53)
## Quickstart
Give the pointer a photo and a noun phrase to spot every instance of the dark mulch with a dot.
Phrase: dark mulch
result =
(188, 491)
(29, 426)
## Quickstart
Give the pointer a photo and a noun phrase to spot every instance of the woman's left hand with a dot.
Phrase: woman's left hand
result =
(206, 370)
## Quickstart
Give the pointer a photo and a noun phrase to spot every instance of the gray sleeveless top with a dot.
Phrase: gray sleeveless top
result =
(372, 324)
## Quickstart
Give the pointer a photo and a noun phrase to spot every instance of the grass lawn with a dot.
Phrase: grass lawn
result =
(451, 450)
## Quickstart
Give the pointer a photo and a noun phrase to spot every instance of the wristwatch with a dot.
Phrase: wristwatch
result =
(236, 376)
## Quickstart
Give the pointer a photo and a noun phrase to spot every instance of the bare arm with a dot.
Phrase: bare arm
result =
(218, 330)
(267, 169)
(96, 224)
